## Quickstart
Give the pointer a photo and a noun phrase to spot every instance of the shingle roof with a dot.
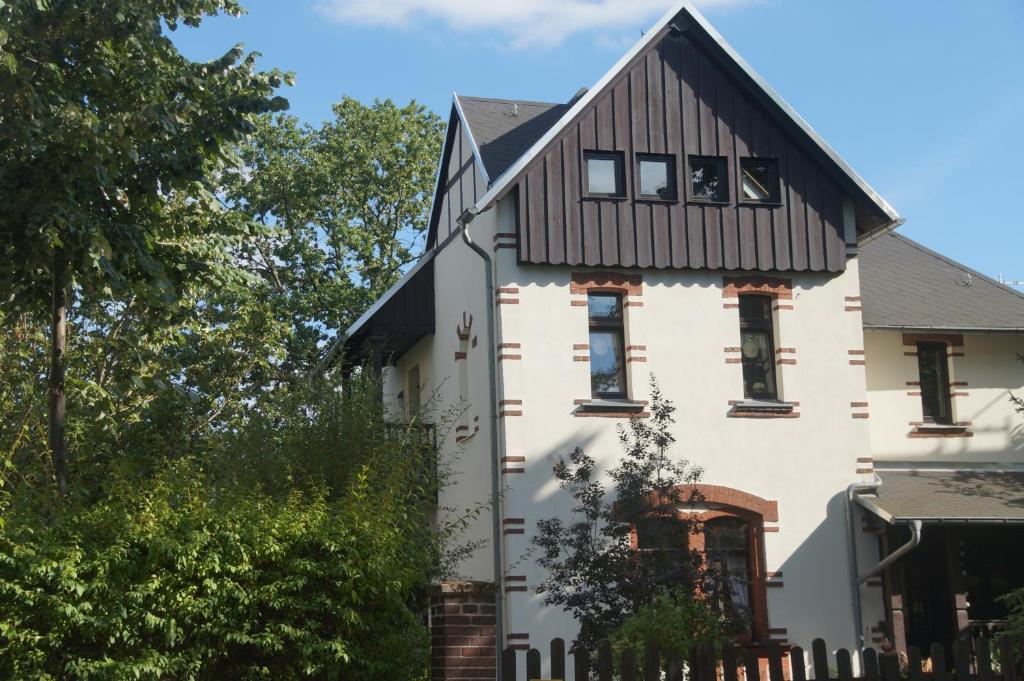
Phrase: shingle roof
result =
(962, 496)
(505, 128)
(905, 285)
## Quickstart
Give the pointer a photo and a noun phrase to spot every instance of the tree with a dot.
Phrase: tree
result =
(593, 569)
(110, 145)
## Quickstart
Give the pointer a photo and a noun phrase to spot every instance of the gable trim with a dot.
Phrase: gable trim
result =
(468, 131)
(501, 183)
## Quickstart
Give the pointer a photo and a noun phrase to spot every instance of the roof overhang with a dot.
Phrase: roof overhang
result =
(943, 329)
(984, 497)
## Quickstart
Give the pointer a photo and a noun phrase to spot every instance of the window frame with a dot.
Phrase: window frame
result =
(944, 396)
(752, 557)
(776, 198)
(669, 160)
(723, 162)
(619, 158)
(615, 326)
(766, 326)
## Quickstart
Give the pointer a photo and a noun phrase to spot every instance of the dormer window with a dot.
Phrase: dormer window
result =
(604, 174)
(933, 366)
(709, 179)
(657, 177)
(760, 179)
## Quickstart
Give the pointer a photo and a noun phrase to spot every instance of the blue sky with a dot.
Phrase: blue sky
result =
(925, 98)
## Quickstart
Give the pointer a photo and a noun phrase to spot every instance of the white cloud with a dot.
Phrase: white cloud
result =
(526, 23)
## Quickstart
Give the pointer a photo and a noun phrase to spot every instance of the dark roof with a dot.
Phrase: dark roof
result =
(961, 496)
(905, 285)
(505, 128)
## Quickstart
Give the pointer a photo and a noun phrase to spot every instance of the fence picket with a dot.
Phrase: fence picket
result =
(984, 652)
(940, 672)
(729, 664)
(871, 665)
(914, 664)
(508, 664)
(797, 663)
(820, 655)
(961, 660)
(532, 664)
(1007, 658)
(890, 667)
(581, 664)
(604, 661)
(557, 658)
(844, 665)
(775, 662)
(627, 670)
(752, 669)
(652, 662)
(675, 667)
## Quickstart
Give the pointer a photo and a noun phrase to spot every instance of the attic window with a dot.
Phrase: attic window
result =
(604, 175)
(709, 179)
(657, 177)
(760, 178)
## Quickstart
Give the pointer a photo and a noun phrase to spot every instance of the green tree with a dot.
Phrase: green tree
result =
(110, 145)
(595, 572)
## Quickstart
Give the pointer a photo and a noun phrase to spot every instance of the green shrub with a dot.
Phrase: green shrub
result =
(298, 551)
(676, 623)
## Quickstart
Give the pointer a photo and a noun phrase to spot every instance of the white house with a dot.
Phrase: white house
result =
(845, 390)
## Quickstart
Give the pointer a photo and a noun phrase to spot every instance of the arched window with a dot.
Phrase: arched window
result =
(728, 551)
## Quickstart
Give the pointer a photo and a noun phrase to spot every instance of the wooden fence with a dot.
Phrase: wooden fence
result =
(972, 661)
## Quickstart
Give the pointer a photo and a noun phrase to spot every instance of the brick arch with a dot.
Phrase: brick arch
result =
(735, 499)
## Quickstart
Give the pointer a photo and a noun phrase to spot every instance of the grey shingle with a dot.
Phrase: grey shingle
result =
(505, 128)
(952, 496)
(905, 285)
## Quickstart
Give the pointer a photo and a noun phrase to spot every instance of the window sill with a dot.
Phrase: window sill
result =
(708, 202)
(603, 197)
(616, 409)
(940, 430)
(761, 204)
(763, 409)
(656, 200)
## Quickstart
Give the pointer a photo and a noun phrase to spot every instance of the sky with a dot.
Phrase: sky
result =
(924, 98)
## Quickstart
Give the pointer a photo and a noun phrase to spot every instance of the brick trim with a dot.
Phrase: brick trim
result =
(777, 288)
(954, 339)
(582, 283)
(734, 499)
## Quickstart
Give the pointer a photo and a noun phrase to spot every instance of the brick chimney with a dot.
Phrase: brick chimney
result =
(462, 625)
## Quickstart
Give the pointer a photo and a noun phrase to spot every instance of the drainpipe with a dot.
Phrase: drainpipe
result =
(851, 525)
(915, 539)
(492, 377)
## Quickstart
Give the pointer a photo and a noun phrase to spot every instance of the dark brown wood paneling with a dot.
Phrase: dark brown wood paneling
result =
(681, 98)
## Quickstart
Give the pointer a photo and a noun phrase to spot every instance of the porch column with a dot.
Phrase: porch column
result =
(955, 572)
(893, 585)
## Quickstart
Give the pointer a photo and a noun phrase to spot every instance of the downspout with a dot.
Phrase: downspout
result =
(851, 526)
(915, 539)
(492, 377)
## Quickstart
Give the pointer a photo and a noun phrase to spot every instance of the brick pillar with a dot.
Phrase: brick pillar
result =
(462, 624)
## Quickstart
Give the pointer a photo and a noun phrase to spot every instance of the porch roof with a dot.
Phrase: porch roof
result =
(986, 497)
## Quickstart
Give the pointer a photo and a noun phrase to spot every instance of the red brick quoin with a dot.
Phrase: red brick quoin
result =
(462, 630)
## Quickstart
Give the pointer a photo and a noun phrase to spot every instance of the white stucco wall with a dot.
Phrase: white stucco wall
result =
(991, 370)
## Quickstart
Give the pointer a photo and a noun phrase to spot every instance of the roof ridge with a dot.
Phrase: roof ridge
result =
(510, 101)
(960, 266)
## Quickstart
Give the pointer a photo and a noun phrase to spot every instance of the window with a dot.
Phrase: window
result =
(607, 346)
(657, 177)
(413, 390)
(727, 551)
(709, 178)
(933, 367)
(760, 178)
(757, 347)
(604, 173)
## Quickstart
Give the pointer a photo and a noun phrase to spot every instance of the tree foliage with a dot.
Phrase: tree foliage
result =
(594, 571)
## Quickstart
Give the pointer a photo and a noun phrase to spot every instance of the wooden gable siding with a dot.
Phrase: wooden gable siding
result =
(677, 99)
(460, 187)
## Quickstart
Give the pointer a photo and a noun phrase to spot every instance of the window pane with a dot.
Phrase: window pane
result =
(758, 364)
(934, 375)
(759, 180)
(654, 179)
(607, 368)
(707, 178)
(604, 307)
(755, 308)
(727, 550)
(602, 176)
(661, 533)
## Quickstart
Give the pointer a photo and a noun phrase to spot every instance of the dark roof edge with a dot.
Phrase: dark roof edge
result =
(944, 329)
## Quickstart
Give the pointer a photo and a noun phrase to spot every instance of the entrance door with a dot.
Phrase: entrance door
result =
(928, 595)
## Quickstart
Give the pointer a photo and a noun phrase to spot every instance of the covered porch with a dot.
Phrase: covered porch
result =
(960, 538)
